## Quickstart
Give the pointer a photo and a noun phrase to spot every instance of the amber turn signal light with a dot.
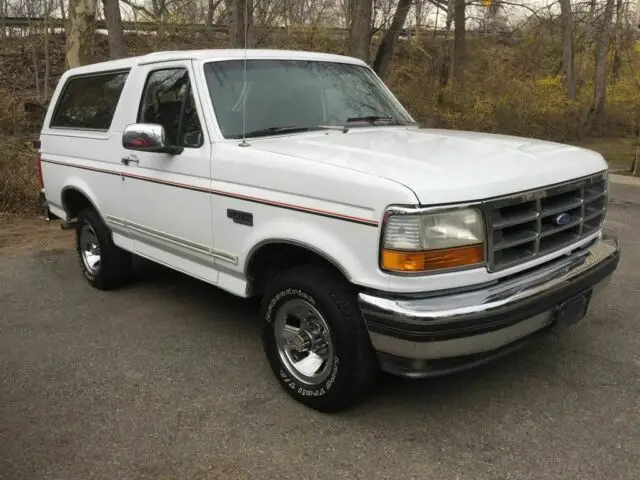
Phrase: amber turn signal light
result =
(402, 261)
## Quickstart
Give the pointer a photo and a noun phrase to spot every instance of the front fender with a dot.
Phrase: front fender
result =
(314, 237)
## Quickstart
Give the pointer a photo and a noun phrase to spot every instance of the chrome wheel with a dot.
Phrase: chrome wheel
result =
(304, 341)
(89, 248)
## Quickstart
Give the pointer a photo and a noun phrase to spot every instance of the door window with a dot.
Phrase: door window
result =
(168, 100)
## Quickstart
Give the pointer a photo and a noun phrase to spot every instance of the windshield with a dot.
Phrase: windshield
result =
(281, 94)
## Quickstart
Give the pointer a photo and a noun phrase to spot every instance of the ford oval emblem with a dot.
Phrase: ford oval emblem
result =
(562, 219)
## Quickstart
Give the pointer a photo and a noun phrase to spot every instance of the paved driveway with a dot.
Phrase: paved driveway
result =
(166, 380)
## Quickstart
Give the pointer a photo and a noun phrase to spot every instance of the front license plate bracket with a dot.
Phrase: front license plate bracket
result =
(572, 310)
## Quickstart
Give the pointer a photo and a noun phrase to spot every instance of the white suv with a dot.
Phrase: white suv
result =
(299, 177)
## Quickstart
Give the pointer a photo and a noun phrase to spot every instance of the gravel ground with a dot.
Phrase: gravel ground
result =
(166, 380)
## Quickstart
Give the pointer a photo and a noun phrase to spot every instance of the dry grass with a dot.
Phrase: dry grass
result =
(510, 87)
(18, 176)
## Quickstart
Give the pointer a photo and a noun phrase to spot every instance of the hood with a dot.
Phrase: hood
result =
(443, 166)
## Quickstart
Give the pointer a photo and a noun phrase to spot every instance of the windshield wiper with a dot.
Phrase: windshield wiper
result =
(372, 119)
(264, 132)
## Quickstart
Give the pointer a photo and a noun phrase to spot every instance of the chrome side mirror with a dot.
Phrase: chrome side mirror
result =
(147, 137)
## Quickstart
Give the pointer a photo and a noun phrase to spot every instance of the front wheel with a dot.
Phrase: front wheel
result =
(315, 339)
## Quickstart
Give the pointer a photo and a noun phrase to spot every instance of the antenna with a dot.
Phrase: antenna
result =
(245, 91)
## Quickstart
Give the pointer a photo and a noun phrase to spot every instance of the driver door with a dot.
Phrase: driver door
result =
(168, 206)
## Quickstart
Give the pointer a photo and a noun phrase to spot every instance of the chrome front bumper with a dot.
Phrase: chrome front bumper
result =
(433, 335)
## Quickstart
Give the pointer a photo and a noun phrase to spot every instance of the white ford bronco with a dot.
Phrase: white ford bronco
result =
(298, 177)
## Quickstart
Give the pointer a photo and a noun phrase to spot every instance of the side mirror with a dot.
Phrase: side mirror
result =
(147, 137)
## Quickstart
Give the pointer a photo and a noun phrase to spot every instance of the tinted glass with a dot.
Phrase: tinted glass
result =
(285, 93)
(190, 133)
(89, 102)
(168, 101)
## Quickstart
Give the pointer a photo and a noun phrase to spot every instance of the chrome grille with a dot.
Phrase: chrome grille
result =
(525, 226)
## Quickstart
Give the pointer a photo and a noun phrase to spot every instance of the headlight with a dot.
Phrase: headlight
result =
(419, 242)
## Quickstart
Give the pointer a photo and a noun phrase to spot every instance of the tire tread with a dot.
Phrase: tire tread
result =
(343, 295)
(115, 263)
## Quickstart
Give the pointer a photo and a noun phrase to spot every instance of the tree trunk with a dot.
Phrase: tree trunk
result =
(62, 14)
(345, 7)
(47, 57)
(459, 41)
(385, 50)
(3, 8)
(36, 70)
(210, 13)
(240, 23)
(80, 32)
(587, 42)
(360, 29)
(618, 40)
(602, 47)
(567, 48)
(444, 65)
(418, 14)
(114, 28)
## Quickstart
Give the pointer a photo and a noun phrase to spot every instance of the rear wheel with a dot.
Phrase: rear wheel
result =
(103, 264)
(315, 339)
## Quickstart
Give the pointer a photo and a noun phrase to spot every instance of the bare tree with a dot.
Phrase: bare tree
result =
(159, 12)
(459, 41)
(360, 18)
(47, 56)
(618, 41)
(212, 7)
(602, 47)
(419, 10)
(80, 32)
(587, 41)
(382, 14)
(566, 17)
(240, 20)
(3, 14)
(385, 50)
(114, 28)
(444, 66)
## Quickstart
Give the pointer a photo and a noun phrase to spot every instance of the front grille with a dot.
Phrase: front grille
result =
(525, 226)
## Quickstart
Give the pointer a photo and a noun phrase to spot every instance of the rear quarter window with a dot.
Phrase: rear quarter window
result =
(89, 102)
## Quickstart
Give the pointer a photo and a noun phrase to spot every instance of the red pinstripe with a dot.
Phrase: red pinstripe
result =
(238, 196)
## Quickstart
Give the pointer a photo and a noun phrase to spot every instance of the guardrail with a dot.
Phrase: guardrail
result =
(25, 22)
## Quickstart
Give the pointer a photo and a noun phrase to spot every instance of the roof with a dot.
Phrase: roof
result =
(213, 54)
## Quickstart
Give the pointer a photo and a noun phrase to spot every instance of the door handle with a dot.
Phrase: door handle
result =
(131, 159)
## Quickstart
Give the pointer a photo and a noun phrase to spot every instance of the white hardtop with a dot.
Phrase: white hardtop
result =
(211, 55)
